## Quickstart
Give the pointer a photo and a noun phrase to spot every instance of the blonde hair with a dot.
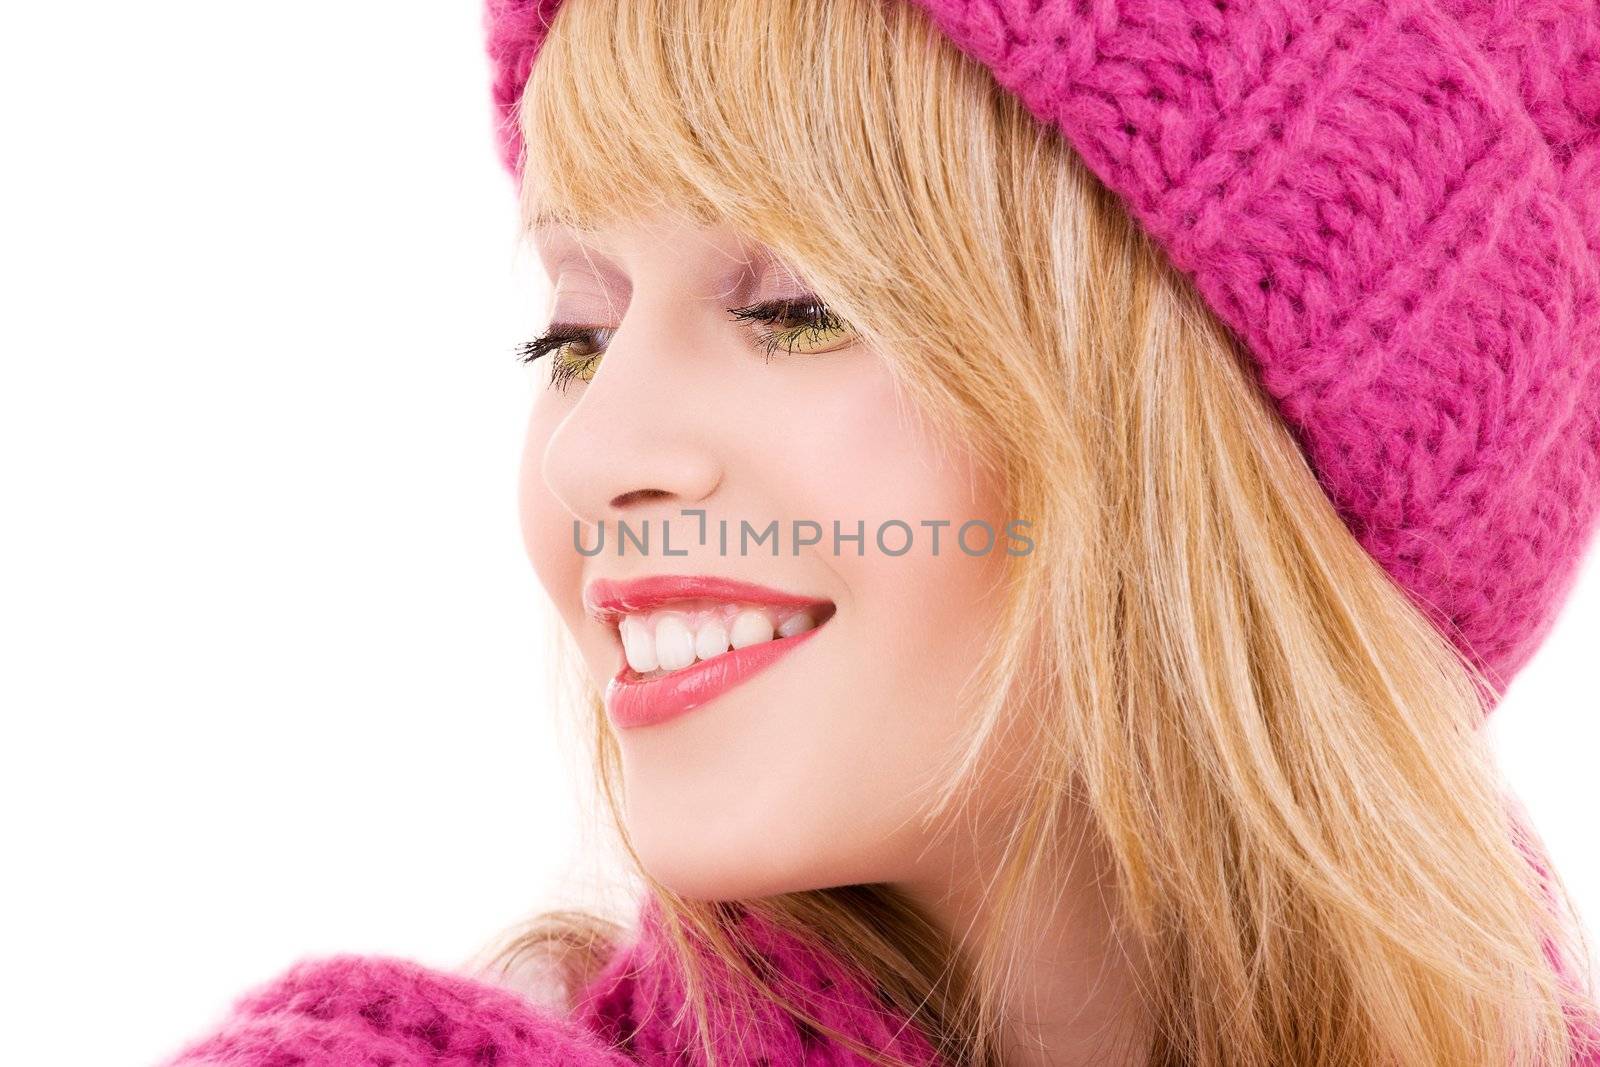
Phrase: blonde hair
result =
(1281, 755)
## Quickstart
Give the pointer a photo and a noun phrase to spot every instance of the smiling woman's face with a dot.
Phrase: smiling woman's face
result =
(759, 756)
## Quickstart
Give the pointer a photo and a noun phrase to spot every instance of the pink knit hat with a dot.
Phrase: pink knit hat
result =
(1395, 204)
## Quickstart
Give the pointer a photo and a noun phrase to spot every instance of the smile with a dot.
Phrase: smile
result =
(685, 640)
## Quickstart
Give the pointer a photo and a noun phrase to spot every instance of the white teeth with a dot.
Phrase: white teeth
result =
(711, 639)
(798, 623)
(674, 643)
(669, 640)
(750, 627)
(638, 644)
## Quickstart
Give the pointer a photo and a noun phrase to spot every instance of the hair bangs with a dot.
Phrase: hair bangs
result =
(705, 109)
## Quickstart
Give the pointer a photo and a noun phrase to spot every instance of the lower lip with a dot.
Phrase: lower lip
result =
(632, 702)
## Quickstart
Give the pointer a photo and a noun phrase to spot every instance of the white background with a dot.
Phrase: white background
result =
(273, 661)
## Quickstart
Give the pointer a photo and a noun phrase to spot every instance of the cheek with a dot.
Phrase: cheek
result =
(917, 599)
(917, 623)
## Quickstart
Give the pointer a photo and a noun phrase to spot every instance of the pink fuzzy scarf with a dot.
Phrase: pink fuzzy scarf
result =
(360, 1011)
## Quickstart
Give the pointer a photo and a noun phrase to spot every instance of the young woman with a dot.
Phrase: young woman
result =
(1042, 498)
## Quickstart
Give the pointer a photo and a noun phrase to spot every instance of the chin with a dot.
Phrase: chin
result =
(700, 873)
(718, 858)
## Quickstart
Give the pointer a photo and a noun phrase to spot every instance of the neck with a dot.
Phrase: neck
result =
(1077, 1001)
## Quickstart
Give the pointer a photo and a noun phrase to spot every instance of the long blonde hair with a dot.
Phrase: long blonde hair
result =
(1280, 753)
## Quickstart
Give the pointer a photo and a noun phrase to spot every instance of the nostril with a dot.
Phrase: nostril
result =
(635, 496)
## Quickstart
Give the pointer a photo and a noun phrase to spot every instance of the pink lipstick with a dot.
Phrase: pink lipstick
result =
(633, 699)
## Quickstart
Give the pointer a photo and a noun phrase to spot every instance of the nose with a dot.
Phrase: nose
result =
(638, 439)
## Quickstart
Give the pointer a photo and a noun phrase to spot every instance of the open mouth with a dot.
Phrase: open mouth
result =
(684, 640)
(678, 635)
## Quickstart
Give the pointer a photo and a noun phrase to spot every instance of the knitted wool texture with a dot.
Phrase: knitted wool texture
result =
(374, 1011)
(1394, 204)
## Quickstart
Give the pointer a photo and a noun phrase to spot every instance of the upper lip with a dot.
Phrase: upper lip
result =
(608, 599)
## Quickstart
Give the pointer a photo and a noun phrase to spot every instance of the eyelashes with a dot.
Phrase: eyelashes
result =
(568, 366)
(796, 325)
(815, 325)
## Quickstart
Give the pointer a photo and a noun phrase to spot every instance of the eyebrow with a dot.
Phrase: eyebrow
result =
(553, 233)
(558, 244)
(545, 219)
